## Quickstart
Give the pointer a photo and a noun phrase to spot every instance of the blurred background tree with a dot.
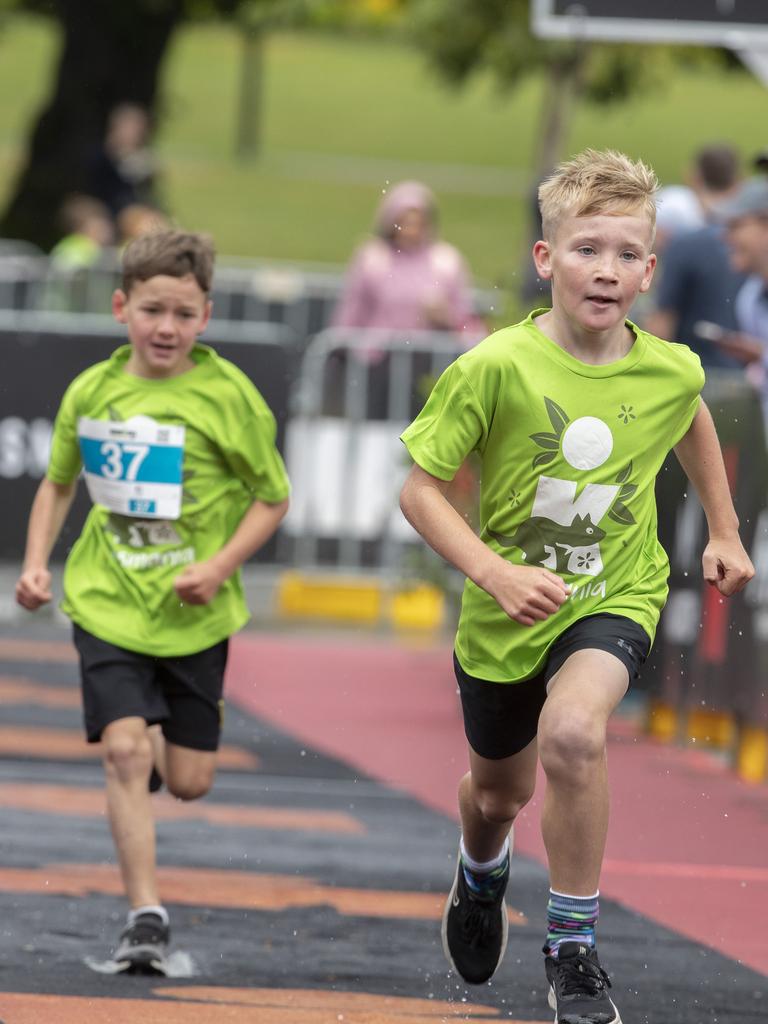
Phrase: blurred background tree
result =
(463, 37)
(111, 54)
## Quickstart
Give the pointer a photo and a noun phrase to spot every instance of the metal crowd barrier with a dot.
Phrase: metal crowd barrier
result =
(302, 296)
(356, 392)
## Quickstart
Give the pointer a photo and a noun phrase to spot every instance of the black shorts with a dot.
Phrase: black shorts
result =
(501, 719)
(182, 694)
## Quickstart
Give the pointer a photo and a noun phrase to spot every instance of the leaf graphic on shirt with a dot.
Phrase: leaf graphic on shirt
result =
(543, 458)
(619, 513)
(627, 491)
(557, 416)
(549, 441)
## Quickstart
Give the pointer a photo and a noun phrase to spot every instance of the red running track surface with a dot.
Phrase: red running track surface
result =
(688, 841)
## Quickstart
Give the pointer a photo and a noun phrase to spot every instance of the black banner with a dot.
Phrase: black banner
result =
(37, 368)
(724, 12)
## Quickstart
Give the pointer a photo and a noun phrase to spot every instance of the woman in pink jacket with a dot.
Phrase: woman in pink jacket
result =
(405, 277)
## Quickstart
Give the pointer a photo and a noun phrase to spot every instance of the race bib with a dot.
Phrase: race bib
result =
(134, 467)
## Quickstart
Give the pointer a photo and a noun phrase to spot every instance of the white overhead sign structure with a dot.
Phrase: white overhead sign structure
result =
(738, 25)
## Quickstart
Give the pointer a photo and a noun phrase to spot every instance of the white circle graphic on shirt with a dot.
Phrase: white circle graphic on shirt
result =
(587, 443)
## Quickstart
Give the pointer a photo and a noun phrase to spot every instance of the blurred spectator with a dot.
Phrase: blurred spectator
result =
(137, 219)
(745, 216)
(678, 211)
(123, 170)
(760, 161)
(72, 284)
(696, 279)
(405, 278)
(746, 224)
(87, 230)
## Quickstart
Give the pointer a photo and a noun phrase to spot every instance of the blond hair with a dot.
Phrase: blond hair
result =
(171, 254)
(598, 182)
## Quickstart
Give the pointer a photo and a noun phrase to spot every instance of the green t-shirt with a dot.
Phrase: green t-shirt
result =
(569, 455)
(174, 464)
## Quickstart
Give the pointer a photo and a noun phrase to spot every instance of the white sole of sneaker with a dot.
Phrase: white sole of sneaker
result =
(444, 930)
(553, 1006)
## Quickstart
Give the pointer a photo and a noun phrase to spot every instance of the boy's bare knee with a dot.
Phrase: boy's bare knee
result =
(190, 787)
(127, 754)
(569, 746)
(500, 808)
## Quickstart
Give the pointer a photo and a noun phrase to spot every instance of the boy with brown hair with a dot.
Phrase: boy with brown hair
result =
(178, 452)
(572, 413)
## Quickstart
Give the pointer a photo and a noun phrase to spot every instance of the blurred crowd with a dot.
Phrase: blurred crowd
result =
(119, 200)
(711, 285)
(710, 289)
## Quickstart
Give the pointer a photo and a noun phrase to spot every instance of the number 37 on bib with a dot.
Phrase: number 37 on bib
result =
(133, 467)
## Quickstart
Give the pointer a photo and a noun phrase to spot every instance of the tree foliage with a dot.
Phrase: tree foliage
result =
(462, 37)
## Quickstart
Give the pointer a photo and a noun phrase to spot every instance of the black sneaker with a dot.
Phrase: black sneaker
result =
(578, 986)
(143, 945)
(475, 929)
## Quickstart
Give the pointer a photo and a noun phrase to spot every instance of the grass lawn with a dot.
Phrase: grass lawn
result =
(342, 118)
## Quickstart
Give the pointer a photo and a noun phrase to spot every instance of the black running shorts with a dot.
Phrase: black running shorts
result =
(182, 694)
(501, 719)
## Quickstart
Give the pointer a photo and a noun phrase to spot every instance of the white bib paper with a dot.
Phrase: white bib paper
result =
(133, 467)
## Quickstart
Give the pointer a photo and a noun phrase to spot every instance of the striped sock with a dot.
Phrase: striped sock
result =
(570, 919)
(484, 879)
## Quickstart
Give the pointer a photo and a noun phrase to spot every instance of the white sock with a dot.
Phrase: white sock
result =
(149, 909)
(483, 867)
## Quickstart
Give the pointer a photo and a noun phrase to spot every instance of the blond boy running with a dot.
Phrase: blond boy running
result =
(572, 413)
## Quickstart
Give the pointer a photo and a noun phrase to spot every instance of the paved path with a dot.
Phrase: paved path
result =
(307, 888)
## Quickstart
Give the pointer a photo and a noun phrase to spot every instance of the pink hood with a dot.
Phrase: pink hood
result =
(407, 195)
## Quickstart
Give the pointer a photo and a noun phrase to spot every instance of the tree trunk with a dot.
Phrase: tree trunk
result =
(561, 91)
(248, 143)
(111, 54)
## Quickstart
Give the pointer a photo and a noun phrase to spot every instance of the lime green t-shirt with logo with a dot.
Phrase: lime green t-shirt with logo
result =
(569, 454)
(172, 465)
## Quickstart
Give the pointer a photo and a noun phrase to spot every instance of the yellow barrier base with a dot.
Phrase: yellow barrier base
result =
(422, 607)
(344, 599)
(354, 599)
(662, 721)
(711, 728)
(752, 754)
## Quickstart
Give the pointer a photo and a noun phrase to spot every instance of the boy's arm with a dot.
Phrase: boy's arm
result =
(49, 511)
(726, 563)
(525, 593)
(198, 583)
